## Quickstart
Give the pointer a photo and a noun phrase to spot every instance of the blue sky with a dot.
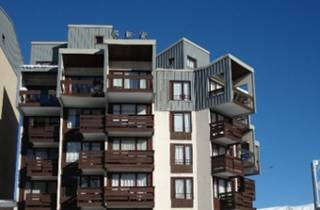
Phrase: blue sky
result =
(280, 39)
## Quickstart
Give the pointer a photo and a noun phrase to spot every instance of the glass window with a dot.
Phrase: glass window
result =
(117, 83)
(128, 109)
(128, 144)
(182, 122)
(183, 155)
(191, 62)
(73, 149)
(115, 180)
(177, 91)
(116, 144)
(142, 180)
(142, 110)
(127, 180)
(181, 90)
(116, 109)
(141, 144)
(73, 119)
(183, 188)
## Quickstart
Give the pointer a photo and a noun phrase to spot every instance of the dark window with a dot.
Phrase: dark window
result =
(181, 158)
(180, 125)
(129, 144)
(171, 62)
(91, 181)
(99, 39)
(3, 38)
(130, 109)
(180, 90)
(216, 86)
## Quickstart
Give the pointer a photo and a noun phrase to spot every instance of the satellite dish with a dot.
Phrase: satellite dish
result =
(115, 34)
(143, 35)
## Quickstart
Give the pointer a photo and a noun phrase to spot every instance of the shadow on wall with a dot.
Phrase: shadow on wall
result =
(8, 143)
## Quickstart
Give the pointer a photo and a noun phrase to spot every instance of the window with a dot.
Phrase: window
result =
(182, 192)
(73, 149)
(99, 39)
(171, 62)
(92, 146)
(129, 180)
(181, 125)
(129, 80)
(181, 158)
(129, 144)
(129, 109)
(215, 87)
(180, 90)
(191, 62)
(91, 181)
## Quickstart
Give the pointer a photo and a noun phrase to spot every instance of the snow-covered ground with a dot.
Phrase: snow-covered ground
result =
(302, 207)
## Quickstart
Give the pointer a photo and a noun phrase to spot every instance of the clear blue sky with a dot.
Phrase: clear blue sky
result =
(280, 39)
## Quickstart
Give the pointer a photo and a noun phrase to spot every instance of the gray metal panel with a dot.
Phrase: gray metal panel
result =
(84, 37)
(203, 100)
(42, 51)
(161, 90)
(203, 58)
(176, 52)
(9, 44)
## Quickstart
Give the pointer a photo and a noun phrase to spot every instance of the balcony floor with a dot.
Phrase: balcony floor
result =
(40, 111)
(83, 102)
(232, 109)
(134, 97)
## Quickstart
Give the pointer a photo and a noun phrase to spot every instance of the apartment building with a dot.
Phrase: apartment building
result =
(10, 59)
(110, 124)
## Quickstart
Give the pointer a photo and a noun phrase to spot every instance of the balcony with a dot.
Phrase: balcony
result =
(225, 166)
(44, 136)
(235, 200)
(125, 86)
(129, 161)
(129, 197)
(42, 169)
(92, 127)
(35, 201)
(39, 102)
(244, 101)
(226, 133)
(82, 93)
(90, 198)
(91, 162)
(129, 125)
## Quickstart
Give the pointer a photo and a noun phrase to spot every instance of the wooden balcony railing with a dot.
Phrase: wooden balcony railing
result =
(86, 88)
(43, 134)
(91, 160)
(129, 197)
(227, 164)
(249, 189)
(243, 99)
(129, 160)
(90, 197)
(235, 200)
(92, 123)
(42, 168)
(40, 200)
(225, 129)
(129, 121)
(130, 83)
(38, 98)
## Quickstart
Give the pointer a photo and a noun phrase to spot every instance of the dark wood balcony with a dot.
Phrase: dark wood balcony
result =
(134, 88)
(39, 102)
(40, 201)
(91, 161)
(226, 166)
(90, 197)
(225, 133)
(235, 200)
(38, 98)
(129, 161)
(46, 135)
(244, 100)
(92, 127)
(129, 197)
(42, 169)
(129, 125)
(84, 88)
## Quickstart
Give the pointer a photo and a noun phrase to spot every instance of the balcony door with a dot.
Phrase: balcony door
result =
(130, 109)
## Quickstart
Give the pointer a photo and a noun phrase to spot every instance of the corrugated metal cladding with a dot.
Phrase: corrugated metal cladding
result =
(162, 90)
(200, 98)
(45, 52)
(8, 40)
(179, 52)
(84, 37)
(175, 52)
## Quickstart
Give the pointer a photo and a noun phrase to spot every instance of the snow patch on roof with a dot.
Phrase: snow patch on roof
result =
(301, 207)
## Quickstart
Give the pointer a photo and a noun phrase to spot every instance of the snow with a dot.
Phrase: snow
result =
(301, 207)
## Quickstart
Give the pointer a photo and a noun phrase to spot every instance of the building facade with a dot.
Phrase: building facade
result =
(10, 60)
(110, 124)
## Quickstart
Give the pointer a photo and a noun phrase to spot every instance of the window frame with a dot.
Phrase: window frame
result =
(176, 134)
(98, 39)
(182, 96)
(181, 202)
(148, 176)
(181, 168)
(136, 139)
(192, 59)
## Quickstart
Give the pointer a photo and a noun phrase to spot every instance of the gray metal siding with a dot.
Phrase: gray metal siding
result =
(162, 94)
(10, 44)
(84, 37)
(203, 100)
(203, 58)
(45, 52)
(175, 52)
